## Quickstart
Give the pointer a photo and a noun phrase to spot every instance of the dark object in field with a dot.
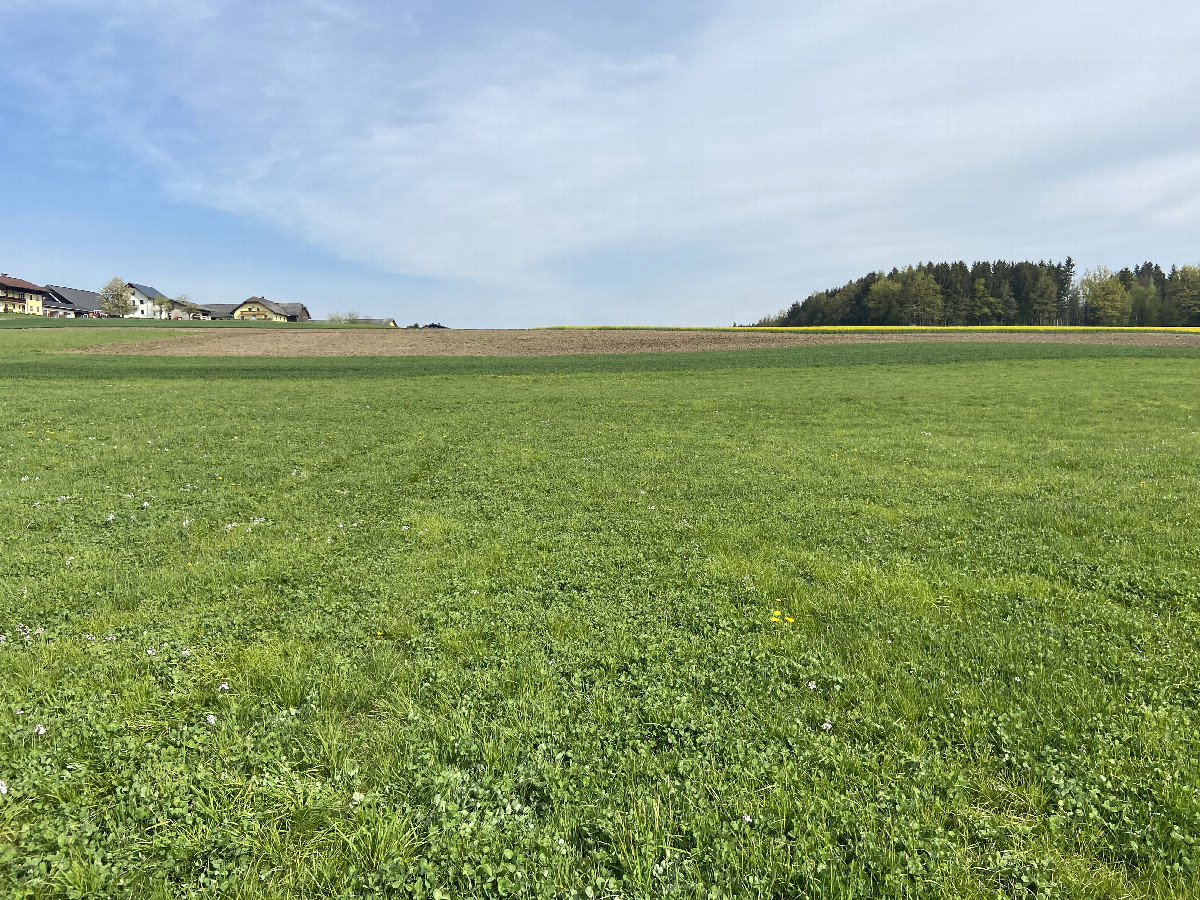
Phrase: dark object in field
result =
(435, 325)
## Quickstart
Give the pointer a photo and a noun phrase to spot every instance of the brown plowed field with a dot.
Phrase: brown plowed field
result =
(456, 342)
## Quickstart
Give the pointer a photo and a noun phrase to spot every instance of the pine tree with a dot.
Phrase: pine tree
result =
(982, 305)
(1043, 299)
(1184, 291)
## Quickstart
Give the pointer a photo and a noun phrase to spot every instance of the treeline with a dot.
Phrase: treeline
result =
(1005, 293)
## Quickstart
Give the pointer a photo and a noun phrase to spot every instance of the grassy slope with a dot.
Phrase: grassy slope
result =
(507, 625)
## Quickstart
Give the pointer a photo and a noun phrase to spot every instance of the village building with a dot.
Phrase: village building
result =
(219, 311)
(148, 303)
(20, 296)
(73, 302)
(205, 312)
(260, 309)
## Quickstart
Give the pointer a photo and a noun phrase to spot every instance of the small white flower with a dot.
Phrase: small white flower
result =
(231, 526)
(3, 787)
(187, 522)
(38, 631)
(150, 651)
(24, 477)
(127, 496)
(1018, 678)
(210, 719)
(3, 638)
(89, 637)
(61, 499)
(70, 559)
(747, 819)
(223, 686)
(186, 652)
(39, 729)
(145, 504)
(827, 727)
(812, 685)
(474, 592)
(111, 517)
(356, 797)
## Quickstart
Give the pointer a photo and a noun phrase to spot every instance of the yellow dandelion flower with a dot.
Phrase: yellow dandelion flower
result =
(788, 619)
(777, 613)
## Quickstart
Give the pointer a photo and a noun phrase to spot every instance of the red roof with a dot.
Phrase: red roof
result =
(17, 284)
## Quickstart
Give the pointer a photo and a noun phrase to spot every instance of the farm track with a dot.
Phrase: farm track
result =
(513, 342)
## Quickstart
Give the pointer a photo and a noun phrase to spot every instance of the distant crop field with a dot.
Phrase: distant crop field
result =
(870, 620)
(19, 321)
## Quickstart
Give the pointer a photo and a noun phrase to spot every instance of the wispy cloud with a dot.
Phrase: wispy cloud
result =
(740, 153)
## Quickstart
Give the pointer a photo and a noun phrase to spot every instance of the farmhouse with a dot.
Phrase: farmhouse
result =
(19, 296)
(66, 302)
(218, 310)
(56, 308)
(261, 309)
(148, 303)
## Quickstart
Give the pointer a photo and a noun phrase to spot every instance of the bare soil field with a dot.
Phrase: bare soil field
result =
(481, 342)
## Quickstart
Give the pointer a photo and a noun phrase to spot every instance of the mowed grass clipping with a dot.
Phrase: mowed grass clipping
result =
(863, 621)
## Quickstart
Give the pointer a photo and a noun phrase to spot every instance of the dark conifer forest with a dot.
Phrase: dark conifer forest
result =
(1005, 293)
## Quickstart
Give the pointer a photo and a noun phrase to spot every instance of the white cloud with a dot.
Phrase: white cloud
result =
(793, 138)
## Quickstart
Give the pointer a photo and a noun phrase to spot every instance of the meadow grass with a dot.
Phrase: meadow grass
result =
(903, 621)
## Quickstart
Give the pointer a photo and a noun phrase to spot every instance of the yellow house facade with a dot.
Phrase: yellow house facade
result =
(260, 309)
(19, 296)
(252, 311)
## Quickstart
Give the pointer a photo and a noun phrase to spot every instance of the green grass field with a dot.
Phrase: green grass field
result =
(913, 620)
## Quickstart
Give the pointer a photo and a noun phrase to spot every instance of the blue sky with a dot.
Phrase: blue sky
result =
(529, 163)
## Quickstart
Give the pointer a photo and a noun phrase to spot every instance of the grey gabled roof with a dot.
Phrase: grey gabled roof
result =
(276, 308)
(80, 299)
(219, 310)
(294, 309)
(152, 293)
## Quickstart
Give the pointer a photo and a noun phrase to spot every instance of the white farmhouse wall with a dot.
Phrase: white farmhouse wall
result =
(144, 308)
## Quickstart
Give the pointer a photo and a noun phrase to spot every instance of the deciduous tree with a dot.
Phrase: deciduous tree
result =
(923, 304)
(883, 301)
(1105, 297)
(116, 298)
